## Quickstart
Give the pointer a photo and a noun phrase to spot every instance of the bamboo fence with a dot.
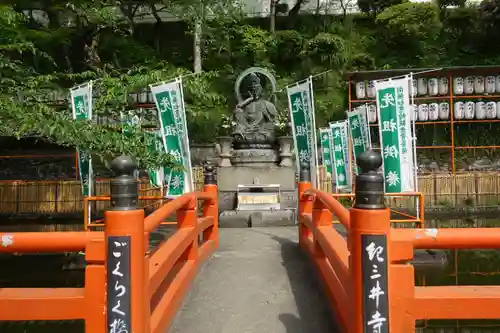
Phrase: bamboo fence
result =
(444, 191)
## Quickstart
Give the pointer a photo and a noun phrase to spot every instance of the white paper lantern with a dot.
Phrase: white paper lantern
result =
(497, 83)
(480, 110)
(370, 89)
(489, 85)
(444, 110)
(470, 110)
(491, 110)
(423, 112)
(414, 87)
(458, 85)
(372, 113)
(150, 97)
(134, 97)
(459, 110)
(414, 112)
(479, 84)
(498, 110)
(360, 90)
(143, 97)
(469, 85)
(433, 111)
(432, 86)
(422, 86)
(443, 85)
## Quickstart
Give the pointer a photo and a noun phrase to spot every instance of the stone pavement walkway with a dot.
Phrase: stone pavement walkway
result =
(259, 281)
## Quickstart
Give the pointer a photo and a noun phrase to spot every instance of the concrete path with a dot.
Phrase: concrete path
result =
(259, 281)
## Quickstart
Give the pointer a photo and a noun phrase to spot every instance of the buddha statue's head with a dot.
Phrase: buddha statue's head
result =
(255, 88)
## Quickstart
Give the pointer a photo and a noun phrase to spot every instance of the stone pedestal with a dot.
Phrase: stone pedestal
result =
(228, 180)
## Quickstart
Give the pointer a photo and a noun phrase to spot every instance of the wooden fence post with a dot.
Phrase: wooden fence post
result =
(127, 308)
(211, 207)
(368, 245)
(305, 201)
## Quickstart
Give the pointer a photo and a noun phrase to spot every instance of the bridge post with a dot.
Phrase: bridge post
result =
(305, 201)
(211, 208)
(127, 307)
(368, 245)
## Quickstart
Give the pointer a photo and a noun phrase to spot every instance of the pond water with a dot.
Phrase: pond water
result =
(480, 267)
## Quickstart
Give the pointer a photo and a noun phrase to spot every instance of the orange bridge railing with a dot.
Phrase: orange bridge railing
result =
(127, 287)
(368, 276)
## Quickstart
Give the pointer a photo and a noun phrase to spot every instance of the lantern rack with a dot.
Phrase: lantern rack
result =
(452, 74)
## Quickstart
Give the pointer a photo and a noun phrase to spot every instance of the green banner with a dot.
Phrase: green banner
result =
(81, 105)
(340, 149)
(393, 105)
(325, 135)
(155, 144)
(301, 106)
(169, 101)
(359, 132)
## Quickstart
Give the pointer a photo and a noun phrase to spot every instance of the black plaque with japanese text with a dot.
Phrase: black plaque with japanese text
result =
(375, 286)
(118, 285)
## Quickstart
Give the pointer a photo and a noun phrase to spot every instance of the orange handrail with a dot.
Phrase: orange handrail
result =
(158, 279)
(343, 266)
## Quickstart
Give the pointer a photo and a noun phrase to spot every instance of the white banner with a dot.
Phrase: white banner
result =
(169, 99)
(359, 132)
(301, 107)
(341, 158)
(81, 105)
(394, 121)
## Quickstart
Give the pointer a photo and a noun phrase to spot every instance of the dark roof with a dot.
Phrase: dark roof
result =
(458, 70)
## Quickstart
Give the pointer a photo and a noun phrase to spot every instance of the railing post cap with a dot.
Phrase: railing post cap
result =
(305, 172)
(124, 191)
(124, 165)
(369, 183)
(209, 174)
(369, 160)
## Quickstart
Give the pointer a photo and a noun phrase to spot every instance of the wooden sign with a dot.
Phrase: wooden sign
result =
(375, 286)
(118, 284)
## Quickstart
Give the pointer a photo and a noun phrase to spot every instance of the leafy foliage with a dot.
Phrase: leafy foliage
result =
(126, 45)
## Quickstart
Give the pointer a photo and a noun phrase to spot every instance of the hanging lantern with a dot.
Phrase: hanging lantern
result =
(433, 111)
(422, 86)
(432, 86)
(479, 84)
(360, 90)
(459, 110)
(423, 112)
(497, 83)
(143, 96)
(489, 86)
(470, 110)
(458, 85)
(469, 85)
(480, 110)
(491, 110)
(414, 87)
(372, 113)
(443, 85)
(414, 112)
(444, 110)
(498, 110)
(370, 89)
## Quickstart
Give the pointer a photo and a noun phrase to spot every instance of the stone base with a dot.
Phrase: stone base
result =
(228, 180)
(248, 219)
(255, 157)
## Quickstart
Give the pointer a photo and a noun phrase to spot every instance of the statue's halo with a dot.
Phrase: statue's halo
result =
(248, 71)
